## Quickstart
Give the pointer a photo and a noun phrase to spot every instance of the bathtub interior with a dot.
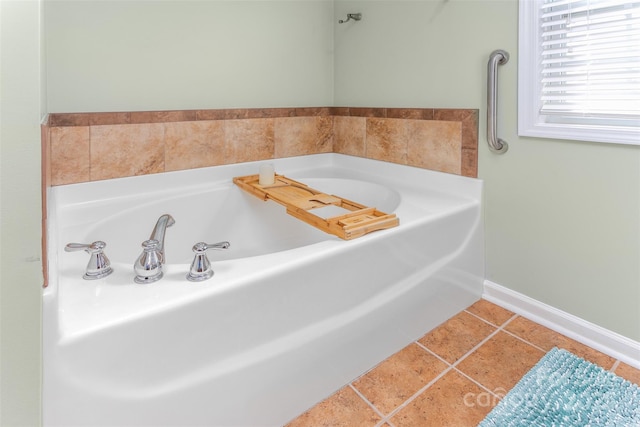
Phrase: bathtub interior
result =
(223, 213)
(220, 211)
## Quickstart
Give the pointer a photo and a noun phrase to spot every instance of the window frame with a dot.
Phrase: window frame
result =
(530, 122)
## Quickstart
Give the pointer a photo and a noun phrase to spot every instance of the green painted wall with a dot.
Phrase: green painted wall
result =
(562, 218)
(20, 213)
(179, 55)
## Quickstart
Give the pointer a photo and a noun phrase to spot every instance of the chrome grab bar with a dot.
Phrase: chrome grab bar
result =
(496, 145)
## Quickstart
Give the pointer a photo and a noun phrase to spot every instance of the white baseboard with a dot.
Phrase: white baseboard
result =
(597, 337)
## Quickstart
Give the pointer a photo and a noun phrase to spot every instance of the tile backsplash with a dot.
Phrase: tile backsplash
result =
(95, 146)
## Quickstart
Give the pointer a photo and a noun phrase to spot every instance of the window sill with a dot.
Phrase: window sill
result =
(606, 134)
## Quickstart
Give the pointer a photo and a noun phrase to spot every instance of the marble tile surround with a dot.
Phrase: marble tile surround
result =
(95, 146)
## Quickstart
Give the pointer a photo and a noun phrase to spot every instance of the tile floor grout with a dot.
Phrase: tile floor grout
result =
(483, 319)
(451, 366)
(515, 329)
(419, 392)
(615, 366)
(522, 339)
(477, 346)
(376, 410)
(474, 381)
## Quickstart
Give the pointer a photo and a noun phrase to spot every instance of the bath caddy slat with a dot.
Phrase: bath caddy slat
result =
(300, 200)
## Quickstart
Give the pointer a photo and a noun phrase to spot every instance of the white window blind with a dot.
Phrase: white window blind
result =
(591, 58)
(584, 67)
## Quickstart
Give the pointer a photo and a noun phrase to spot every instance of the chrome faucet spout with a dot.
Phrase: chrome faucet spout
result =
(159, 231)
(148, 266)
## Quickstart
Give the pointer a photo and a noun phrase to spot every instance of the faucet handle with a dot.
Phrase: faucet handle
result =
(99, 265)
(148, 266)
(201, 267)
(202, 246)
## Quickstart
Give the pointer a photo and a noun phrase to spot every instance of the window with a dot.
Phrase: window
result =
(579, 70)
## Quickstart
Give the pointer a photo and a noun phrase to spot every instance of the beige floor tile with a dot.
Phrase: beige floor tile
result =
(452, 401)
(500, 362)
(454, 338)
(546, 339)
(490, 312)
(343, 409)
(629, 373)
(399, 377)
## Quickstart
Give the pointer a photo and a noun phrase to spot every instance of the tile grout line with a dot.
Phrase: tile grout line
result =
(384, 422)
(425, 387)
(451, 366)
(386, 419)
(481, 343)
(477, 383)
(507, 322)
(488, 321)
(514, 335)
(615, 366)
(526, 342)
(500, 328)
(371, 405)
(416, 394)
(433, 354)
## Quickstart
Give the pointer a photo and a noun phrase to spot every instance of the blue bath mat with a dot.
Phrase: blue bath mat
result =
(565, 390)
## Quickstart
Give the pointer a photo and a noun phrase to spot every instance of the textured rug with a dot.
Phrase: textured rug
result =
(565, 390)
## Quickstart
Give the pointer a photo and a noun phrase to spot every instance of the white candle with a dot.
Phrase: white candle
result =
(267, 174)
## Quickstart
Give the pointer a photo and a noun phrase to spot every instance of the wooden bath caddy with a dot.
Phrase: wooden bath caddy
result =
(300, 199)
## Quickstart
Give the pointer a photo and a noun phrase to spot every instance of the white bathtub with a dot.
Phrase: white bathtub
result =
(291, 315)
